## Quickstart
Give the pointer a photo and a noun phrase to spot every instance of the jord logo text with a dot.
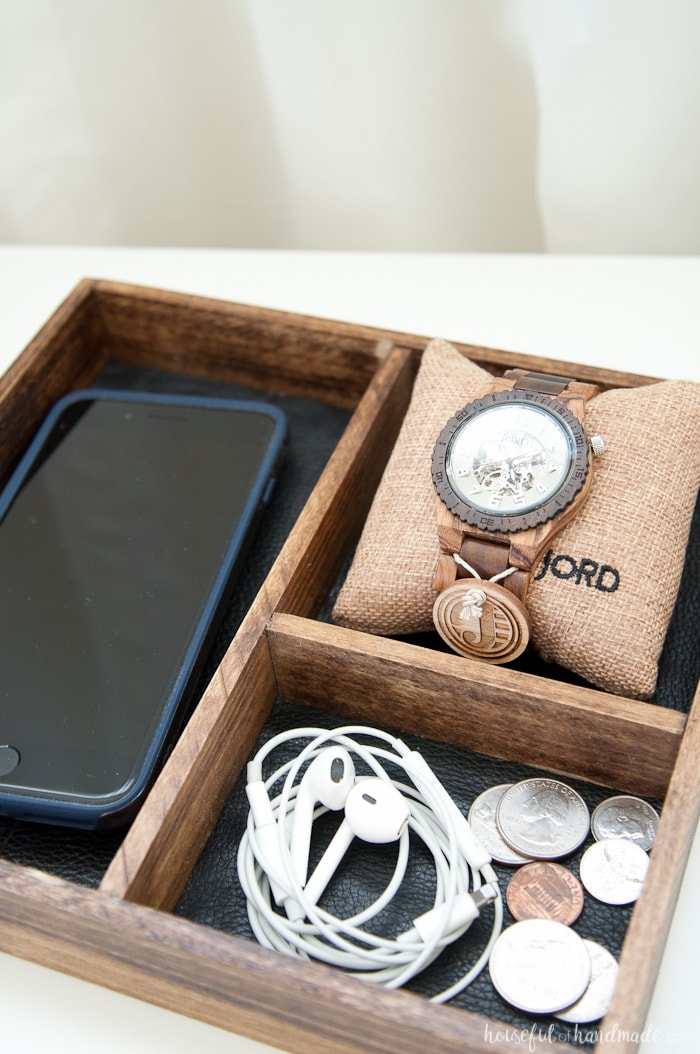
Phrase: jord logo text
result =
(586, 572)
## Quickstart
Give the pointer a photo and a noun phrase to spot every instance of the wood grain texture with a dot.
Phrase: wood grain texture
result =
(651, 919)
(266, 348)
(275, 350)
(67, 353)
(573, 731)
(166, 838)
(226, 981)
(121, 935)
(482, 620)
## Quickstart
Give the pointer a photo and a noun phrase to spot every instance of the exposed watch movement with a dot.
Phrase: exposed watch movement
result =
(510, 461)
(510, 470)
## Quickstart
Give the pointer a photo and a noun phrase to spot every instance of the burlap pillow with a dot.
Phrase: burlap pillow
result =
(602, 596)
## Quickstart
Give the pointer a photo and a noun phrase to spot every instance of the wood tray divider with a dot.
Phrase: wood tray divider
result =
(122, 934)
(164, 842)
(580, 732)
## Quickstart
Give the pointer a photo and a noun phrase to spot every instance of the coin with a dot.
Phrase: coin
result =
(540, 966)
(542, 818)
(624, 816)
(613, 870)
(595, 1001)
(544, 890)
(482, 818)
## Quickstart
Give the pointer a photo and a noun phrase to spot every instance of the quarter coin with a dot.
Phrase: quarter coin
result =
(624, 816)
(544, 890)
(595, 1001)
(543, 818)
(540, 966)
(482, 818)
(613, 870)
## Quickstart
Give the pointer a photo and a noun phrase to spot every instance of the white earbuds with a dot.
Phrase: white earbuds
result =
(376, 812)
(328, 780)
(381, 806)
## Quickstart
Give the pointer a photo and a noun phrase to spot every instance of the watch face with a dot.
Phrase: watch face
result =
(510, 461)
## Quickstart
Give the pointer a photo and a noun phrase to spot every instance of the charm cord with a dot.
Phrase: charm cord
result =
(473, 601)
(468, 567)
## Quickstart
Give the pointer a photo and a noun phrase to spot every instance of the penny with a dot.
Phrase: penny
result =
(613, 870)
(543, 818)
(624, 816)
(540, 966)
(543, 890)
(482, 818)
(595, 1001)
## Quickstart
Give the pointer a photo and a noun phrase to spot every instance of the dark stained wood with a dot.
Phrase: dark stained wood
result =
(651, 919)
(163, 844)
(323, 358)
(121, 935)
(165, 840)
(330, 361)
(67, 353)
(579, 732)
(226, 981)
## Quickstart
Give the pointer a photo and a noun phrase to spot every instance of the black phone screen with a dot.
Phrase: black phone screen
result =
(116, 552)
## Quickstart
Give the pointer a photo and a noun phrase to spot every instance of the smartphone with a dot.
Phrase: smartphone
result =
(121, 532)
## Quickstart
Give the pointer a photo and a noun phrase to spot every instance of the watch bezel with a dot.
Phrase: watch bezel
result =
(507, 522)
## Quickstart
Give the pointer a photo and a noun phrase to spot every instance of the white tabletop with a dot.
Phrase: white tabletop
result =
(638, 314)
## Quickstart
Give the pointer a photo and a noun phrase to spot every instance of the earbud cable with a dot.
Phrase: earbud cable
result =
(310, 931)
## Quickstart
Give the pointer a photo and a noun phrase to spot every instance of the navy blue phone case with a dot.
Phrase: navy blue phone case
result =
(28, 804)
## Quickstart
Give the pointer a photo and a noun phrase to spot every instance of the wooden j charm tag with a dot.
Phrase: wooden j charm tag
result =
(510, 470)
(482, 620)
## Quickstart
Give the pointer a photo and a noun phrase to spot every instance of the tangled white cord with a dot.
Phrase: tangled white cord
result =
(464, 878)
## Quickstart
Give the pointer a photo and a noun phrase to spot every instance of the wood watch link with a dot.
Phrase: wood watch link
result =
(510, 469)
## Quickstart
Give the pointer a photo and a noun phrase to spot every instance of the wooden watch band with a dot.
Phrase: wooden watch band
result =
(485, 554)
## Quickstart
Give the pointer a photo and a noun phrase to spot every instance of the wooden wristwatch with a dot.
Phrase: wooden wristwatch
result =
(510, 469)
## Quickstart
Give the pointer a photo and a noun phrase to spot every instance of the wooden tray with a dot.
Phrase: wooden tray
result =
(124, 934)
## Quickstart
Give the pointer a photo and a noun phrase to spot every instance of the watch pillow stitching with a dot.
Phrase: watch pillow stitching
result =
(602, 594)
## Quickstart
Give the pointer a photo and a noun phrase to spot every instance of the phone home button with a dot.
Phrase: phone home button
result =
(9, 760)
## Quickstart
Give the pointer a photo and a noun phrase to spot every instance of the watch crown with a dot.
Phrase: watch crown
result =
(597, 445)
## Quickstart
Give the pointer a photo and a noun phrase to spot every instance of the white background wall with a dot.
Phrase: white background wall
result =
(470, 125)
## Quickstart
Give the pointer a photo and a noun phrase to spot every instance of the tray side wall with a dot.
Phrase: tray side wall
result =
(103, 935)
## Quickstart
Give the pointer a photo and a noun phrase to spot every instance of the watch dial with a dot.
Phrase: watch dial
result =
(510, 458)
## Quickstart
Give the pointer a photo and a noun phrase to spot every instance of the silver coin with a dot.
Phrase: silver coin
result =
(595, 1001)
(624, 816)
(613, 870)
(543, 818)
(482, 819)
(540, 966)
